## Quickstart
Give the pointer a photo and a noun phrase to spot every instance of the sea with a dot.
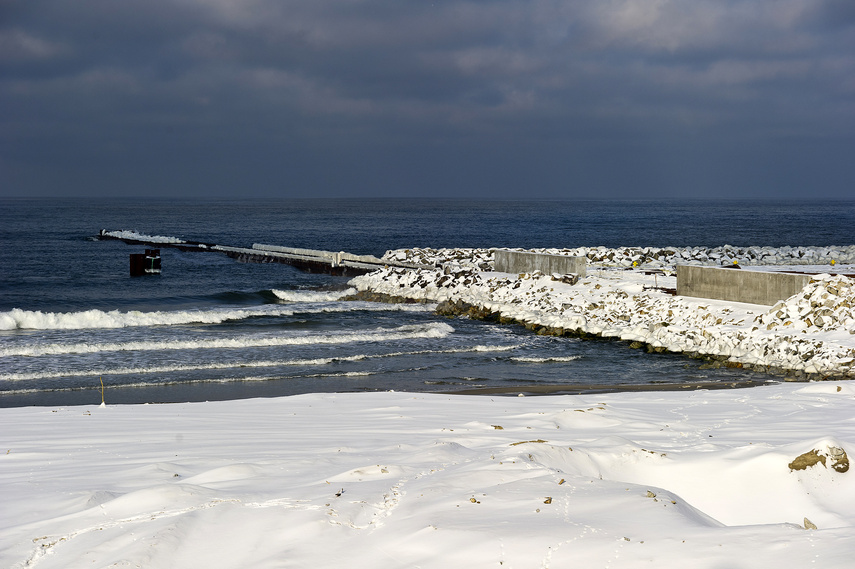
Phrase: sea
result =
(76, 328)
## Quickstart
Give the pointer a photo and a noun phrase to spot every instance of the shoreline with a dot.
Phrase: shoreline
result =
(579, 389)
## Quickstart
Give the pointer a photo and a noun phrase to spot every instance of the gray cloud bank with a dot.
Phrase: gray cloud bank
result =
(504, 98)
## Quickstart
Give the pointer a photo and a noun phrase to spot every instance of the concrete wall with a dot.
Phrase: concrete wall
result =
(518, 262)
(738, 285)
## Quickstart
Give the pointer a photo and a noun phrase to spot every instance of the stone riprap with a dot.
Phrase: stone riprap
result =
(824, 304)
(810, 335)
(645, 257)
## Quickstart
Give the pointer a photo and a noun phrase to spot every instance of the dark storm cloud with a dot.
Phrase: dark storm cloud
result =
(379, 97)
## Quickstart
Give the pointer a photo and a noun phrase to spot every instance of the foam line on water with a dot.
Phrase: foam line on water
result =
(432, 330)
(553, 359)
(143, 384)
(241, 364)
(178, 368)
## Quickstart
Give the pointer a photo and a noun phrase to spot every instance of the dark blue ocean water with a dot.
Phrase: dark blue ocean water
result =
(209, 327)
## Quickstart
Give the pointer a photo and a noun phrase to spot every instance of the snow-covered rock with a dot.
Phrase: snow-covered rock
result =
(812, 333)
(646, 257)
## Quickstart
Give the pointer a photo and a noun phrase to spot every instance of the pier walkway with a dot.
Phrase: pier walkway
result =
(309, 260)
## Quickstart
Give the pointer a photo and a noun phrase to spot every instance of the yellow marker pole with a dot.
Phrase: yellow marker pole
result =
(102, 390)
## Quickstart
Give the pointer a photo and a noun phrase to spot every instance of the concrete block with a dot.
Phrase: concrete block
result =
(521, 262)
(753, 287)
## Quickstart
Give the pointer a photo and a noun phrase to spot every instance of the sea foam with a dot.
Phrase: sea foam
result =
(164, 369)
(312, 295)
(433, 330)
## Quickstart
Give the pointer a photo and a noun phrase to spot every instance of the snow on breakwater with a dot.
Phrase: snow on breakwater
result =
(134, 236)
(649, 257)
(817, 338)
(825, 303)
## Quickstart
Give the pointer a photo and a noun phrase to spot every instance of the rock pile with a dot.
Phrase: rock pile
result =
(647, 257)
(481, 259)
(724, 255)
(825, 303)
(808, 335)
(831, 456)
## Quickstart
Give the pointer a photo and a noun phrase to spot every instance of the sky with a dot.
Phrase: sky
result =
(506, 99)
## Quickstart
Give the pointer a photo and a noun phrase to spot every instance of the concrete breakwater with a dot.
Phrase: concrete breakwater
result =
(309, 260)
(784, 339)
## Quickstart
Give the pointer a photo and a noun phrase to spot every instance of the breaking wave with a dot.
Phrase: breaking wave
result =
(433, 330)
(17, 319)
(241, 364)
(312, 295)
(556, 359)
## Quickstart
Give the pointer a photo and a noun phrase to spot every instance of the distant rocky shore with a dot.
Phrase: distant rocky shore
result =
(645, 257)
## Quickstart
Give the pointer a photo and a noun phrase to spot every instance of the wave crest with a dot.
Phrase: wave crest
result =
(546, 360)
(18, 319)
(433, 330)
(312, 295)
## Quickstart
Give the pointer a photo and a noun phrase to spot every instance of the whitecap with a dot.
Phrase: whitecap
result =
(312, 295)
(432, 330)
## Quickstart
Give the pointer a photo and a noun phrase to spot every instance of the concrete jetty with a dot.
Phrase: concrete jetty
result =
(309, 260)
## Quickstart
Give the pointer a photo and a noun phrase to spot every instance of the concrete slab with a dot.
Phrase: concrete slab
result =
(522, 262)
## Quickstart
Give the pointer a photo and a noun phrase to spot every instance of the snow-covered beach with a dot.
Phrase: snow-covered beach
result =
(727, 478)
